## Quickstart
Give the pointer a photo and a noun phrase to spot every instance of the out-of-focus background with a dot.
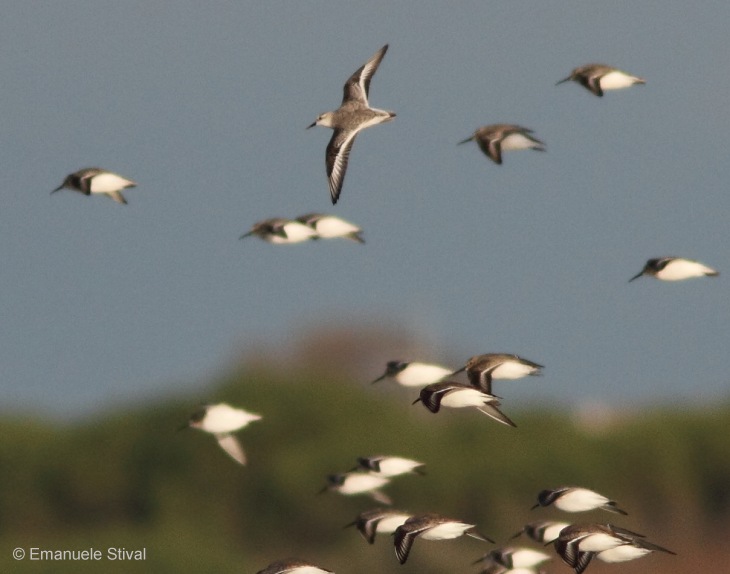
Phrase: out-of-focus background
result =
(118, 320)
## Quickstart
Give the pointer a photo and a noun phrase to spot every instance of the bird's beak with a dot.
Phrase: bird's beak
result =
(457, 372)
(59, 188)
(536, 506)
(245, 235)
(563, 81)
(418, 400)
(183, 427)
(636, 276)
(466, 140)
(314, 123)
(380, 378)
(324, 489)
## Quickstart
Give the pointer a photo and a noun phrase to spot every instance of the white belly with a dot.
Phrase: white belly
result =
(421, 375)
(622, 553)
(463, 398)
(682, 269)
(517, 141)
(616, 81)
(359, 483)
(580, 500)
(328, 227)
(389, 524)
(512, 370)
(598, 542)
(108, 182)
(446, 531)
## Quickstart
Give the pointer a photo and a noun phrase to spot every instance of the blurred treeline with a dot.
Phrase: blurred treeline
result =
(128, 479)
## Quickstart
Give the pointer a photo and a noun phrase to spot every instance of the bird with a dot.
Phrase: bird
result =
(579, 543)
(413, 374)
(293, 566)
(352, 483)
(544, 531)
(494, 139)
(515, 557)
(353, 116)
(329, 226)
(481, 369)
(675, 269)
(431, 526)
(221, 420)
(576, 499)
(279, 230)
(378, 521)
(599, 77)
(389, 466)
(96, 180)
(459, 395)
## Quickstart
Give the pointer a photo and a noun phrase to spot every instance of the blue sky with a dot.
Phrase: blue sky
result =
(205, 106)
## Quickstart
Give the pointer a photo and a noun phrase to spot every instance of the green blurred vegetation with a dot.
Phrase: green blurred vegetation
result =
(129, 479)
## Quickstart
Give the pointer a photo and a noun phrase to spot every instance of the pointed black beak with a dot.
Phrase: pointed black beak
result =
(563, 80)
(536, 506)
(457, 372)
(59, 188)
(418, 400)
(314, 123)
(466, 140)
(636, 276)
(380, 378)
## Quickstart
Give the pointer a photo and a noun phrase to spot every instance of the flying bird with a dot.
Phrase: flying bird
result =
(353, 483)
(279, 230)
(293, 566)
(576, 499)
(599, 77)
(378, 521)
(389, 466)
(675, 269)
(495, 139)
(431, 526)
(97, 181)
(329, 226)
(481, 369)
(413, 374)
(221, 420)
(459, 395)
(353, 116)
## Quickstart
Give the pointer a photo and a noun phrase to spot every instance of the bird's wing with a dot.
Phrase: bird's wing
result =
(230, 444)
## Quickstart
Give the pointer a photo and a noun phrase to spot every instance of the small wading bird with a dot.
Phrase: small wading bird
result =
(598, 77)
(579, 543)
(431, 526)
(378, 521)
(481, 369)
(413, 374)
(97, 181)
(389, 466)
(353, 116)
(460, 395)
(353, 483)
(576, 499)
(515, 557)
(281, 231)
(675, 269)
(329, 226)
(543, 531)
(495, 139)
(221, 420)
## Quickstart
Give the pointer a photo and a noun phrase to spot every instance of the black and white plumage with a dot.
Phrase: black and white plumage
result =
(482, 369)
(431, 526)
(378, 521)
(579, 543)
(328, 226)
(576, 499)
(543, 531)
(675, 269)
(353, 116)
(598, 77)
(413, 374)
(460, 395)
(221, 420)
(280, 230)
(494, 139)
(515, 557)
(94, 180)
(389, 466)
(354, 483)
